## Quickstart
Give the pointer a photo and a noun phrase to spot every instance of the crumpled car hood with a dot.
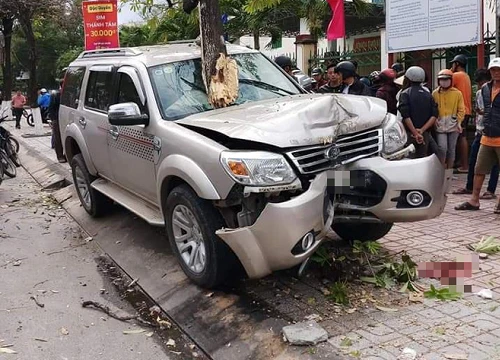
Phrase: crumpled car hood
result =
(294, 120)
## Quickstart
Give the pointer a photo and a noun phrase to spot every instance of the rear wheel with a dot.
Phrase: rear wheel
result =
(11, 152)
(191, 223)
(15, 144)
(94, 202)
(8, 166)
(30, 120)
(361, 231)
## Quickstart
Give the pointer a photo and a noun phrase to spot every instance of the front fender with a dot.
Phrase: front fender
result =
(186, 169)
(73, 132)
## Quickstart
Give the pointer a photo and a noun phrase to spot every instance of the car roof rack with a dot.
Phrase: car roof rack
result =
(109, 52)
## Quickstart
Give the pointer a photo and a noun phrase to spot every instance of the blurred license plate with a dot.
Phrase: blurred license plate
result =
(340, 181)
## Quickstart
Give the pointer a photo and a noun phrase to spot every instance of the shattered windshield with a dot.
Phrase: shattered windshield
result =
(180, 91)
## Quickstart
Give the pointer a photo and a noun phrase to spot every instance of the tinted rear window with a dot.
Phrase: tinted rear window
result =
(72, 85)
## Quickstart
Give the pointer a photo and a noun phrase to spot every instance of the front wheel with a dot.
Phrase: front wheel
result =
(191, 224)
(94, 202)
(361, 231)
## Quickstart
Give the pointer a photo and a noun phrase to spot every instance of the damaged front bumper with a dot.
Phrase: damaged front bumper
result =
(402, 177)
(274, 241)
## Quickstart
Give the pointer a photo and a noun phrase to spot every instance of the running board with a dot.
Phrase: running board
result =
(129, 201)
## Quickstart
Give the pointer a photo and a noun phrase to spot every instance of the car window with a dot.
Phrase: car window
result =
(180, 91)
(98, 95)
(72, 85)
(127, 91)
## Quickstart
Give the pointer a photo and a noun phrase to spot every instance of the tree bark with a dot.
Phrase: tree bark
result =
(256, 39)
(220, 73)
(33, 59)
(7, 26)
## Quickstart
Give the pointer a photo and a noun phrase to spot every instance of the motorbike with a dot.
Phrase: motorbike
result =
(9, 148)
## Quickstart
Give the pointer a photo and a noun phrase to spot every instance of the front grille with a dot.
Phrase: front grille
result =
(345, 150)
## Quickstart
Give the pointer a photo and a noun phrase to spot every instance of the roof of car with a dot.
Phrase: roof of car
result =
(157, 54)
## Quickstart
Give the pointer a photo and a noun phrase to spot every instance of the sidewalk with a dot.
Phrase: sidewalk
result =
(464, 329)
(43, 256)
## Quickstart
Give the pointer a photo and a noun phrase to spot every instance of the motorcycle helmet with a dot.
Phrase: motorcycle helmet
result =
(283, 61)
(445, 74)
(346, 68)
(415, 74)
(461, 59)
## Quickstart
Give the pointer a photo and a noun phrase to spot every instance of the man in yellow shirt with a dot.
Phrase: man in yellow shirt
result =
(461, 81)
(489, 150)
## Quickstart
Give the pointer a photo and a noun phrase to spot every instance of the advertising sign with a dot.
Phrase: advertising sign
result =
(100, 21)
(366, 44)
(431, 24)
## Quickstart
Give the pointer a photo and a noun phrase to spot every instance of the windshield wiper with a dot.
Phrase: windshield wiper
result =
(265, 86)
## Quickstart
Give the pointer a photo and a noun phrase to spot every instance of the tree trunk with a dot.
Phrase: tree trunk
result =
(33, 59)
(256, 39)
(7, 25)
(220, 73)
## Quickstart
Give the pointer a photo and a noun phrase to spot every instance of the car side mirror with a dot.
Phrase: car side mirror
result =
(126, 114)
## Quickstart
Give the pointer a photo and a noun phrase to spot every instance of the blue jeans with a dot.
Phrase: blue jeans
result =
(474, 149)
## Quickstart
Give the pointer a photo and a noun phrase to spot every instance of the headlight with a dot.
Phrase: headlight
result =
(394, 134)
(257, 168)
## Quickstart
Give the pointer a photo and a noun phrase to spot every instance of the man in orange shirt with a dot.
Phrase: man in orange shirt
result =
(461, 81)
(489, 150)
(18, 102)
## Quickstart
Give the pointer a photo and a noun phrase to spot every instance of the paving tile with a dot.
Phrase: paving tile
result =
(473, 353)
(431, 314)
(358, 342)
(376, 338)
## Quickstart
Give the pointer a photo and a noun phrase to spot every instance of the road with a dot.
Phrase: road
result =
(44, 255)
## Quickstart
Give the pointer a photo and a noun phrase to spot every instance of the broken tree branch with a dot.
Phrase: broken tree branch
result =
(108, 312)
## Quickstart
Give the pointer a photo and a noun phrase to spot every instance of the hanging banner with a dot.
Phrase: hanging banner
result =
(100, 21)
(432, 24)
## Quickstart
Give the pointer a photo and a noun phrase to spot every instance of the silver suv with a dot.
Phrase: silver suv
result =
(257, 184)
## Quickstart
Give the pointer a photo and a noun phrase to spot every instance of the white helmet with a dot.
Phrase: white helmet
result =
(43, 90)
(415, 74)
(494, 63)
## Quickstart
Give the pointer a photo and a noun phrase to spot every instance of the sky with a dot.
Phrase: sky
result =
(125, 15)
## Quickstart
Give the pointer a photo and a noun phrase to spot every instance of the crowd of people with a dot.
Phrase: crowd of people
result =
(436, 120)
(49, 109)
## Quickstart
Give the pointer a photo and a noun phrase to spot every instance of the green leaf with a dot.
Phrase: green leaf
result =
(404, 288)
(368, 279)
(345, 342)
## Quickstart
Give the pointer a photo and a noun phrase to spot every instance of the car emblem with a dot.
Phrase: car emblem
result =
(332, 152)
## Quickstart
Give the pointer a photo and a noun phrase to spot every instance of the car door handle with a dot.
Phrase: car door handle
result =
(114, 133)
(82, 121)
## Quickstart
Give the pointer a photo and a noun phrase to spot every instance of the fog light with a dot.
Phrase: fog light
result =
(307, 241)
(415, 198)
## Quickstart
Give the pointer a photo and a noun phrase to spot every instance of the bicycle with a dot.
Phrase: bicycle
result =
(29, 117)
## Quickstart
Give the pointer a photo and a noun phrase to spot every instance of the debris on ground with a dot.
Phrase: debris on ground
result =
(132, 332)
(64, 331)
(304, 333)
(34, 298)
(456, 356)
(485, 294)
(408, 354)
(442, 294)
(108, 311)
(487, 245)
(171, 342)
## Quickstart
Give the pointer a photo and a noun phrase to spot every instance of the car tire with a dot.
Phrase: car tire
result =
(361, 231)
(200, 220)
(95, 203)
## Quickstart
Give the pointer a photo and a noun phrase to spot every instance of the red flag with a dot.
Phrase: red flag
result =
(336, 28)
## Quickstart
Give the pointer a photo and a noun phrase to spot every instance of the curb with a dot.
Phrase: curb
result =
(45, 171)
